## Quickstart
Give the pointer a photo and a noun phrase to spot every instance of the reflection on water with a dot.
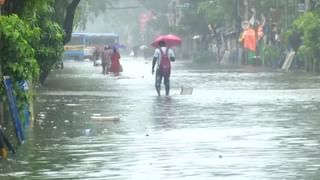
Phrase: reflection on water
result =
(235, 125)
(163, 113)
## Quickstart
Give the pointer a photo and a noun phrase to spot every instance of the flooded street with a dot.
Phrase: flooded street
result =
(237, 124)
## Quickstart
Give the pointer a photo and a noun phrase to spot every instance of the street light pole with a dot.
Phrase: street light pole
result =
(246, 10)
(286, 15)
(1, 100)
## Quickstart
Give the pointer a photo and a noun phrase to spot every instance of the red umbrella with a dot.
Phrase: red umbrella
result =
(170, 40)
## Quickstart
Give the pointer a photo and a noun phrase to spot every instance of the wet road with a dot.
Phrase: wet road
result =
(237, 124)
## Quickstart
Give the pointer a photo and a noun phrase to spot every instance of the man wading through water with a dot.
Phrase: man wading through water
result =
(106, 59)
(162, 57)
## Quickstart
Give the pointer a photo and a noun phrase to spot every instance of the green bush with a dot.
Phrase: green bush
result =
(271, 53)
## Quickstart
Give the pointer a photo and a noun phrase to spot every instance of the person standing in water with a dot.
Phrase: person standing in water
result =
(115, 62)
(105, 60)
(163, 56)
(96, 54)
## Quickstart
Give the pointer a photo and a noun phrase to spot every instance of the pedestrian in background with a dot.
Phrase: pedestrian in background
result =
(115, 67)
(96, 55)
(106, 59)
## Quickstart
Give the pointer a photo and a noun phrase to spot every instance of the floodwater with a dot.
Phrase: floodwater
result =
(237, 124)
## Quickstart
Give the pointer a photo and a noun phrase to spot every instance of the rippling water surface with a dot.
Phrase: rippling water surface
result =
(237, 124)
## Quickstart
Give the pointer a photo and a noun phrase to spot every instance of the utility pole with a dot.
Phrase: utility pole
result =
(246, 9)
(1, 100)
(238, 30)
(307, 5)
(286, 15)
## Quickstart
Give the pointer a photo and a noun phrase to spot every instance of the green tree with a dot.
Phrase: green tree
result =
(64, 14)
(17, 55)
(31, 39)
(45, 14)
(309, 25)
(218, 12)
(50, 45)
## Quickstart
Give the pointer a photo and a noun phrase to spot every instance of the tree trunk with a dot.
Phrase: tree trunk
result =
(315, 65)
(13, 6)
(60, 11)
(68, 22)
(43, 76)
(306, 64)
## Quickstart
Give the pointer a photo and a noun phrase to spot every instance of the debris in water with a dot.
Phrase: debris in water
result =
(87, 131)
(105, 118)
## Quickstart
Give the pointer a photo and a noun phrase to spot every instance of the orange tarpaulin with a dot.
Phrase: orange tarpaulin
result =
(2, 2)
(249, 39)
